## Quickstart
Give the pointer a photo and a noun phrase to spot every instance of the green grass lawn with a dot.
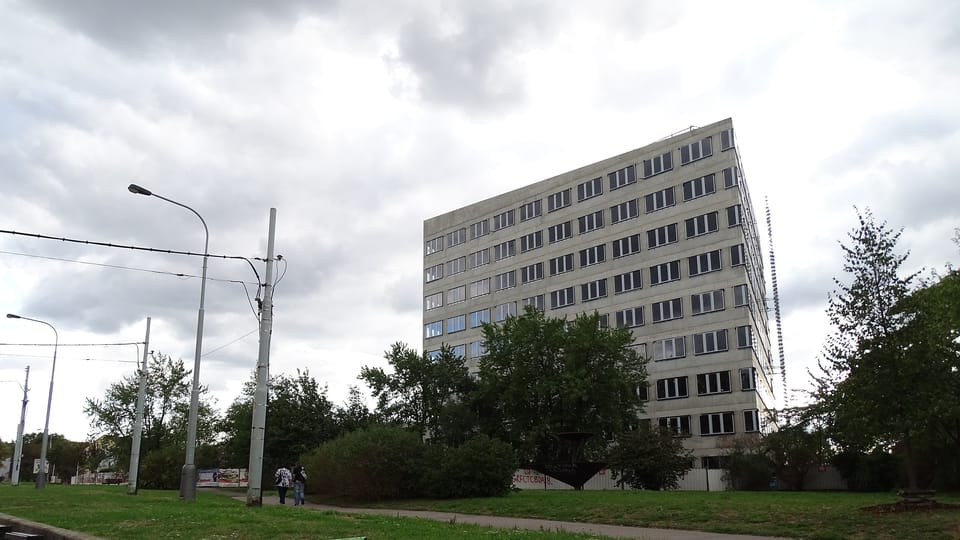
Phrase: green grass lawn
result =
(108, 512)
(819, 515)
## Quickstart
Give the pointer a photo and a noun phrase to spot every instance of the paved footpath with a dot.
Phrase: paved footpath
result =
(612, 531)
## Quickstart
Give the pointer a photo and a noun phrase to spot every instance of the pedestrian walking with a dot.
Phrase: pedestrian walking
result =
(283, 479)
(299, 482)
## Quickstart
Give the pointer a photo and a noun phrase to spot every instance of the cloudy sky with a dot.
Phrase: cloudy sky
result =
(358, 120)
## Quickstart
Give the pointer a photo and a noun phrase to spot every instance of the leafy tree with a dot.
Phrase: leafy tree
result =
(354, 414)
(165, 416)
(648, 458)
(423, 392)
(792, 450)
(545, 376)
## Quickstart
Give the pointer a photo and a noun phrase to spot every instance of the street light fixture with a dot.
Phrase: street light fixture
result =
(188, 476)
(42, 476)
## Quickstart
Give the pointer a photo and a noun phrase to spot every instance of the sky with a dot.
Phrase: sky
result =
(359, 120)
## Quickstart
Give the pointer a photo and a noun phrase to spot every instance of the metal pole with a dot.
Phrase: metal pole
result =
(18, 449)
(255, 467)
(188, 475)
(138, 421)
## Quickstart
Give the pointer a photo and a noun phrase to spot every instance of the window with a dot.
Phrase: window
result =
(640, 349)
(561, 298)
(477, 318)
(502, 311)
(432, 355)
(731, 177)
(535, 301)
(603, 321)
(457, 294)
(433, 273)
(624, 211)
(530, 210)
(667, 310)
(707, 223)
(726, 139)
(627, 282)
(643, 392)
(432, 301)
(558, 232)
(477, 349)
(696, 150)
(672, 388)
(679, 425)
(626, 246)
(532, 272)
(751, 420)
(503, 220)
(698, 187)
(505, 280)
(717, 382)
(433, 246)
(662, 273)
(480, 288)
(666, 349)
(662, 236)
(706, 302)
(734, 215)
(531, 241)
(710, 342)
(744, 337)
(479, 258)
(433, 329)
(504, 249)
(593, 290)
(588, 189)
(703, 263)
(737, 256)
(456, 324)
(458, 351)
(456, 237)
(748, 379)
(622, 177)
(478, 229)
(591, 255)
(455, 266)
(591, 222)
(658, 164)
(561, 264)
(716, 423)
(659, 200)
(558, 200)
(741, 296)
(628, 318)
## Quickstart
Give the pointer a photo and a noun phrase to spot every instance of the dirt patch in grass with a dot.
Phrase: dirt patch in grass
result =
(904, 506)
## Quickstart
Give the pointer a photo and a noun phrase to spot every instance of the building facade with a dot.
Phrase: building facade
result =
(661, 240)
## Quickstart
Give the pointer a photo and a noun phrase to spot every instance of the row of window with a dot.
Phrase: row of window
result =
(691, 189)
(718, 423)
(717, 382)
(622, 247)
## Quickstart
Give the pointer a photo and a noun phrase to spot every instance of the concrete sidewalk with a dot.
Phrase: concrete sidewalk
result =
(612, 531)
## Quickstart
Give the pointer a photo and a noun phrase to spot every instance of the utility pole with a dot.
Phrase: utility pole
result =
(138, 421)
(18, 449)
(258, 426)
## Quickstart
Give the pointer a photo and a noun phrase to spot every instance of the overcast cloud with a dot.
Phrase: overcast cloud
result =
(358, 120)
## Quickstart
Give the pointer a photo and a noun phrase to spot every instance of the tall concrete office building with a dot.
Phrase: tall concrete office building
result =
(661, 240)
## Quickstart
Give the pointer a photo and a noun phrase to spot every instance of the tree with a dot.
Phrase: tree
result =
(860, 392)
(545, 376)
(166, 409)
(648, 458)
(354, 414)
(423, 392)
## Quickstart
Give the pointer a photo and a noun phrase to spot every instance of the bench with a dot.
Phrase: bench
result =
(917, 496)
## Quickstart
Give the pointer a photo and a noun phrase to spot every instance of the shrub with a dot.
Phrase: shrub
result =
(161, 468)
(481, 467)
(648, 458)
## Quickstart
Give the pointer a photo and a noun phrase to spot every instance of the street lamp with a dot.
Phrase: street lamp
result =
(42, 477)
(188, 476)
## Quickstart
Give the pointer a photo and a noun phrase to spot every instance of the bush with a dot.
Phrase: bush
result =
(876, 471)
(648, 458)
(381, 462)
(481, 467)
(161, 468)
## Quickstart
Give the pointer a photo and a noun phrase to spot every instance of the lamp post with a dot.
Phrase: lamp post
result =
(188, 476)
(18, 447)
(42, 476)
